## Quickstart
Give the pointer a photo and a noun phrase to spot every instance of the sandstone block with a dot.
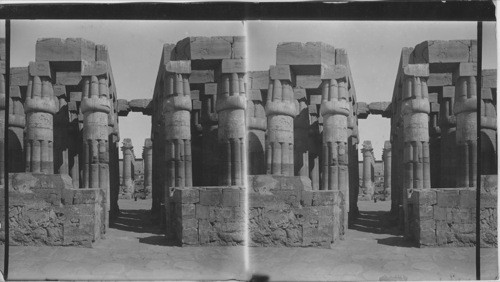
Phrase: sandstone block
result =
(310, 53)
(238, 47)
(299, 93)
(211, 197)
(425, 197)
(259, 80)
(281, 72)
(187, 195)
(233, 66)
(59, 90)
(230, 197)
(75, 96)
(123, 108)
(433, 98)
(308, 81)
(448, 198)
(63, 50)
(188, 211)
(181, 67)
(254, 95)
(439, 213)
(439, 79)
(420, 70)
(87, 196)
(201, 76)
(334, 72)
(489, 78)
(15, 91)
(204, 48)
(467, 198)
(210, 89)
(378, 108)
(68, 78)
(202, 212)
(139, 105)
(90, 68)
(465, 69)
(440, 51)
(315, 99)
(19, 76)
(449, 92)
(40, 69)
(362, 111)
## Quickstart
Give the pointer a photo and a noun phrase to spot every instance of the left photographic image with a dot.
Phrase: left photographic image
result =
(92, 101)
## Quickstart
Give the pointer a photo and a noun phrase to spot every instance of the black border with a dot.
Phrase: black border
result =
(388, 10)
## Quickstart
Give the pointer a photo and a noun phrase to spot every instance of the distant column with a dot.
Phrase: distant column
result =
(367, 151)
(353, 140)
(280, 111)
(209, 123)
(465, 110)
(231, 104)
(448, 123)
(387, 158)
(147, 156)
(40, 107)
(335, 110)
(177, 106)
(257, 125)
(128, 158)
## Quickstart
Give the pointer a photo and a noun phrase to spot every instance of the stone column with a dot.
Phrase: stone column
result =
(488, 133)
(95, 107)
(257, 125)
(3, 98)
(447, 124)
(335, 110)
(314, 145)
(40, 107)
(209, 123)
(301, 126)
(177, 106)
(231, 104)
(15, 134)
(147, 156)
(128, 159)
(280, 110)
(434, 141)
(387, 158)
(367, 151)
(61, 130)
(114, 159)
(74, 143)
(465, 109)
(353, 140)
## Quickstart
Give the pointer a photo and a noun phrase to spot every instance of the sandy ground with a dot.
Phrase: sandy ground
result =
(135, 249)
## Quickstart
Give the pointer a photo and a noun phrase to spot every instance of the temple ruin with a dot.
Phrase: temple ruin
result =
(277, 146)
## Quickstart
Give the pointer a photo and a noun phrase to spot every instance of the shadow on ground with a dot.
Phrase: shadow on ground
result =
(138, 221)
(380, 222)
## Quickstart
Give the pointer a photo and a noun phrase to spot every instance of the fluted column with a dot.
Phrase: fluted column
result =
(231, 104)
(387, 158)
(40, 107)
(465, 109)
(280, 110)
(367, 151)
(447, 124)
(257, 125)
(128, 158)
(177, 106)
(335, 110)
(147, 156)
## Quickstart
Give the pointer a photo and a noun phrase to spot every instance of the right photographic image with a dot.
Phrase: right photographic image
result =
(363, 150)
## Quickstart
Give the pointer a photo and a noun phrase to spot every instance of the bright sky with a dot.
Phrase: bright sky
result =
(135, 48)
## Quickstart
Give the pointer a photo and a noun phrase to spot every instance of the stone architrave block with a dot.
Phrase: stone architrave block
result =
(486, 94)
(210, 89)
(420, 70)
(254, 95)
(433, 98)
(308, 81)
(75, 96)
(123, 108)
(63, 50)
(94, 68)
(441, 51)
(19, 76)
(180, 67)
(363, 110)
(434, 107)
(59, 90)
(68, 78)
(448, 198)
(315, 99)
(465, 69)
(281, 72)
(40, 69)
(238, 47)
(138, 105)
(15, 91)
(204, 48)
(448, 91)
(378, 108)
(335, 72)
(259, 80)
(201, 76)
(233, 66)
(440, 79)
(489, 78)
(196, 105)
(195, 94)
(310, 53)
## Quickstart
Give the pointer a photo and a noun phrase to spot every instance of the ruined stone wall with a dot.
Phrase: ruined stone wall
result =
(205, 216)
(286, 212)
(45, 209)
(447, 216)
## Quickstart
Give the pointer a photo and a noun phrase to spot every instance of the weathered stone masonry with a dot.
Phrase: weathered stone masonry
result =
(66, 103)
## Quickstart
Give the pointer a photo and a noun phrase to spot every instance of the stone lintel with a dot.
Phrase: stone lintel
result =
(233, 66)
(15, 91)
(434, 107)
(92, 68)
(210, 89)
(182, 67)
(40, 69)
(486, 94)
(489, 78)
(123, 108)
(195, 94)
(433, 97)
(19, 76)
(59, 90)
(259, 79)
(196, 105)
(254, 95)
(448, 91)
(466, 69)
(336, 72)
(75, 96)
(363, 110)
(281, 72)
(378, 108)
(420, 70)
